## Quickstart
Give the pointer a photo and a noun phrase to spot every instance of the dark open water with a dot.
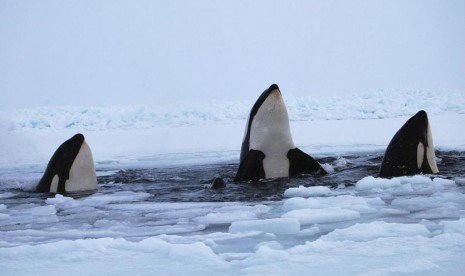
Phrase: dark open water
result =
(191, 184)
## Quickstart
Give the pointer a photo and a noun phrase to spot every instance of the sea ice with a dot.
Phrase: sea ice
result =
(283, 226)
(324, 215)
(302, 191)
(225, 218)
(376, 230)
(370, 183)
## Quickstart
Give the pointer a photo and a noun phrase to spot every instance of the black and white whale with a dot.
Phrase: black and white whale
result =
(267, 148)
(411, 150)
(71, 169)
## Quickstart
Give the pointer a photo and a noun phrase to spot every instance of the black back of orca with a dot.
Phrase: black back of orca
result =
(60, 164)
(251, 160)
(402, 156)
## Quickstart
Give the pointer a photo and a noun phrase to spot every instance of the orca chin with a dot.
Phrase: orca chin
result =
(70, 170)
(268, 150)
(411, 150)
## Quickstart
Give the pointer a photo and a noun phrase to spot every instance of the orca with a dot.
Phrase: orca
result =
(268, 150)
(218, 183)
(411, 150)
(70, 170)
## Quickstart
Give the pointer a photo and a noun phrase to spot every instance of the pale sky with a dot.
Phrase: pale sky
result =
(115, 52)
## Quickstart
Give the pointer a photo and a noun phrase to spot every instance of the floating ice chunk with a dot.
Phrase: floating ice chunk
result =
(328, 168)
(272, 254)
(375, 230)
(350, 202)
(359, 204)
(282, 226)
(414, 267)
(44, 214)
(63, 202)
(43, 210)
(416, 179)
(370, 183)
(444, 182)
(228, 214)
(340, 162)
(459, 181)
(256, 209)
(271, 244)
(310, 231)
(428, 202)
(307, 191)
(126, 196)
(447, 197)
(301, 203)
(404, 189)
(225, 218)
(393, 211)
(456, 226)
(58, 199)
(326, 215)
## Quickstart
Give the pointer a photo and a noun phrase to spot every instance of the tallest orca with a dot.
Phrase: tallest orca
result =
(267, 148)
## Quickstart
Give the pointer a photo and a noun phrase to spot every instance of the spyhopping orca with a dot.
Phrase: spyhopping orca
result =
(70, 170)
(267, 148)
(411, 150)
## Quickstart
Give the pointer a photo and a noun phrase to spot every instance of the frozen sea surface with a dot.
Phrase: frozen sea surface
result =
(168, 221)
(155, 214)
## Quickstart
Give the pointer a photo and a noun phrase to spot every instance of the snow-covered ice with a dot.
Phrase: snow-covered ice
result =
(413, 225)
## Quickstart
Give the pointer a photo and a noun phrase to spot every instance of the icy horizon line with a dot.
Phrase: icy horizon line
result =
(379, 105)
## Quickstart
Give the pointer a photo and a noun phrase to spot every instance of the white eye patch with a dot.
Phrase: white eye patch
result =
(430, 155)
(54, 184)
(420, 154)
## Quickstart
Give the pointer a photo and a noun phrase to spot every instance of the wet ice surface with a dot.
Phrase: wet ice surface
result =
(347, 223)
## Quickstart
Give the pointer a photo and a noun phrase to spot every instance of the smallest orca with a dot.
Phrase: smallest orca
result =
(70, 170)
(218, 183)
(411, 150)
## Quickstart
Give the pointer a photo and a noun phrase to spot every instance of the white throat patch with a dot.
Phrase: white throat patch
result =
(270, 133)
(82, 173)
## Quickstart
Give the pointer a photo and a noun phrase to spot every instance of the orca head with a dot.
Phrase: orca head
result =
(71, 168)
(268, 150)
(268, 123)
(268, 131)
(411, 150)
